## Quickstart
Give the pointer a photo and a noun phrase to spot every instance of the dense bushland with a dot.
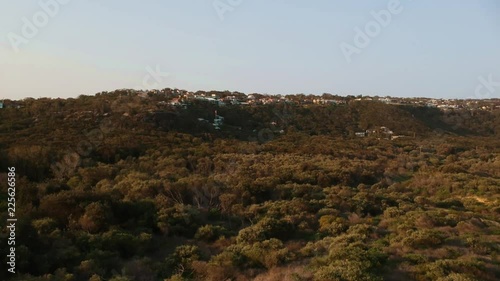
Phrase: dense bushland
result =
(119, 188)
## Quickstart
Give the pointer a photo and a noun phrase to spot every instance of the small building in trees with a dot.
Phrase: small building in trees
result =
(218, 121)
(360, 134)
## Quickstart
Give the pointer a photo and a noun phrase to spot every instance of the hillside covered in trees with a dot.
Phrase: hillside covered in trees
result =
(132, 186)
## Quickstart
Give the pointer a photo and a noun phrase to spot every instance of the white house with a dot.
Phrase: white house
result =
(360, 134)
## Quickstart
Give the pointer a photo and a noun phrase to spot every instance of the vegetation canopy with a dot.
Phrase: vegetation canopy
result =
(168, 185)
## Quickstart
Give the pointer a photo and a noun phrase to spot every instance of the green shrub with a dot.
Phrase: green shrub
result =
(332, 225)
(424, 238)
(209, 233)
(450, 204)
(456, 277)
(184, 256)
(268, 253)
(266, 228)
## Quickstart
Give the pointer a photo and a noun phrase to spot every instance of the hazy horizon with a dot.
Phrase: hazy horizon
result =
(56, 48)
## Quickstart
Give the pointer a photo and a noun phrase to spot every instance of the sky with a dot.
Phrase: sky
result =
(425, 48)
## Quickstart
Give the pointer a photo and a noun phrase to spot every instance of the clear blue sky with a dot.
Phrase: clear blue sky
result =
(431, 48)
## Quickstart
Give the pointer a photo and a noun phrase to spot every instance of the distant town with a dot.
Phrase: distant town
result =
(182, 98)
